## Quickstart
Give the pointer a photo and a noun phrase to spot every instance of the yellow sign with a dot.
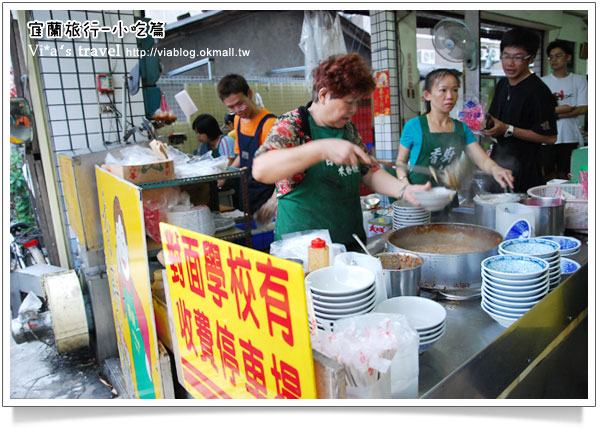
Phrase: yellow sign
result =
(240, 319)
(127, 266)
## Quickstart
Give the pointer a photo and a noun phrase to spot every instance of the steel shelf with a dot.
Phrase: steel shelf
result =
(231, 172)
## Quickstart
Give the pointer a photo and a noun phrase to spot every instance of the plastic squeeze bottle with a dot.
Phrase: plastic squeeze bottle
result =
(318, 254)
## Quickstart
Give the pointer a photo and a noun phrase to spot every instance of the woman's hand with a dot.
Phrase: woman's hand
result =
(409, 192)
(503, 176)
(343, 153)
(267, 210)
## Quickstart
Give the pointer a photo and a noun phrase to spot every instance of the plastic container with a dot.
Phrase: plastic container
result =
(318, 254)
(261, 241)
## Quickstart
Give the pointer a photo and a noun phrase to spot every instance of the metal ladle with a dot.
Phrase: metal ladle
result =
(362, 245)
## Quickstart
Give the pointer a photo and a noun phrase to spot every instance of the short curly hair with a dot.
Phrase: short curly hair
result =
(342, 75)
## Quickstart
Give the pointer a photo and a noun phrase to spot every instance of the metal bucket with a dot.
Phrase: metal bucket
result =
(445, 270)
(549, 215)
(401, 272)
(485, 207)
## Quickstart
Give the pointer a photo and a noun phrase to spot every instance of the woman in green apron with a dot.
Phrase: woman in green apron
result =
(317, 159)
(436, 140)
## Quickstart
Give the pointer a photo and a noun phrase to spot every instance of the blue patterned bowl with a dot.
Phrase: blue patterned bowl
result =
(532, 246)
(568, 245)
(568, 266)
(515, 266)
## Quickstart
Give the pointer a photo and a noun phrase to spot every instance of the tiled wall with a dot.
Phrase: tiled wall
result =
(69, 76)
(69, 80)
(383, 57)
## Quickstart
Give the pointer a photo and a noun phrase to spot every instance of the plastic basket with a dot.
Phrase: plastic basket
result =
(576, 204)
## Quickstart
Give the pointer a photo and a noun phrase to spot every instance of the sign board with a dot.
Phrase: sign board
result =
(240, 319)
(125, 251)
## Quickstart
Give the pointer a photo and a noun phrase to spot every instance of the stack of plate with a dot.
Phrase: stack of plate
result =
(535, 247)
(568, 245)
(406, 214)
(340, 292)
(427, 317)
(511, 285)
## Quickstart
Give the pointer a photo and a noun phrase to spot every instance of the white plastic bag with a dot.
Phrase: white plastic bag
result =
(295, 245)
(321, 37)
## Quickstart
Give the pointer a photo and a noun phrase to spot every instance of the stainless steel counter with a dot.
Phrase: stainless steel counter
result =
(469, 330)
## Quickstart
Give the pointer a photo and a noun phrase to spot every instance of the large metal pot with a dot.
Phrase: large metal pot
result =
(452, 252)
(485, 207)
(549, 215)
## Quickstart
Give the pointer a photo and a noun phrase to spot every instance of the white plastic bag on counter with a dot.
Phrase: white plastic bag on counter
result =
(367, 346)
(295, 245)
(368, 262)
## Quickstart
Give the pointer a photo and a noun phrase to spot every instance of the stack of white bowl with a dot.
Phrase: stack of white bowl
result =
(406, 214)
(511, 285)
(426, 316)
(340, 292)
(568, 245)
(535, 247)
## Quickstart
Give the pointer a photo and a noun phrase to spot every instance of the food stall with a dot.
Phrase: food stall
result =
(239, 323)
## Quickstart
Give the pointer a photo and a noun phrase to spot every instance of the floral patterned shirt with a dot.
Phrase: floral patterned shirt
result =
(288, 132)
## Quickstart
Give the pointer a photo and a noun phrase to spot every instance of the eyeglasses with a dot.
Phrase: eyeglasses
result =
(557, 56)
(516, 58)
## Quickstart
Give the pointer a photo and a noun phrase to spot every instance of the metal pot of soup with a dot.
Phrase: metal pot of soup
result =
(452, 252)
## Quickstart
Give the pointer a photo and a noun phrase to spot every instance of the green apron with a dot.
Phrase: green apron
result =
(327, 198)
(438, 149)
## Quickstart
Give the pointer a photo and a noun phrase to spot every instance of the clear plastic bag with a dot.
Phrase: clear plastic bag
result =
(157, 203)
(370, 346)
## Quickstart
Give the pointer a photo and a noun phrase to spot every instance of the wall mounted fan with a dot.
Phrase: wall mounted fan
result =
(455, 42)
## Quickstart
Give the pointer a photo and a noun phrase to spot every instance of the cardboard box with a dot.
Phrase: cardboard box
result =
(142, 173)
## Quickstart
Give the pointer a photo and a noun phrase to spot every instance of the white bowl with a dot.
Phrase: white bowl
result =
(513, 282)
(516, 292)
(517, 295)
(532, 301)
(434, 199)
(533, 246)
(421, 313)
(526, 286)
(344, 300)
(432, 337)
(506, 312)
(334, 317)
(503, 321)
(430, 331)
(497, 294)
(340, 280)
(515, 266)
(344, 311)
(568, 266)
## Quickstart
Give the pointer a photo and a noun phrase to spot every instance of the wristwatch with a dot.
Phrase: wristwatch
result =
(509, 131)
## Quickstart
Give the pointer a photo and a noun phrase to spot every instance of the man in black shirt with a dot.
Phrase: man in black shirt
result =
(523, 113)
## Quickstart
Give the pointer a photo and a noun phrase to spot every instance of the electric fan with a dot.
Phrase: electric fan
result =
(455, 42)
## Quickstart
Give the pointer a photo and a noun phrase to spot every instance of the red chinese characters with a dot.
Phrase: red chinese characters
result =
(287, 380)
(214, 272)
(206, 339)
(226, 346)
(254, 369)
(174, 257)
(185, 322)
(241, 266)
(192, 263)
(276, 300)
